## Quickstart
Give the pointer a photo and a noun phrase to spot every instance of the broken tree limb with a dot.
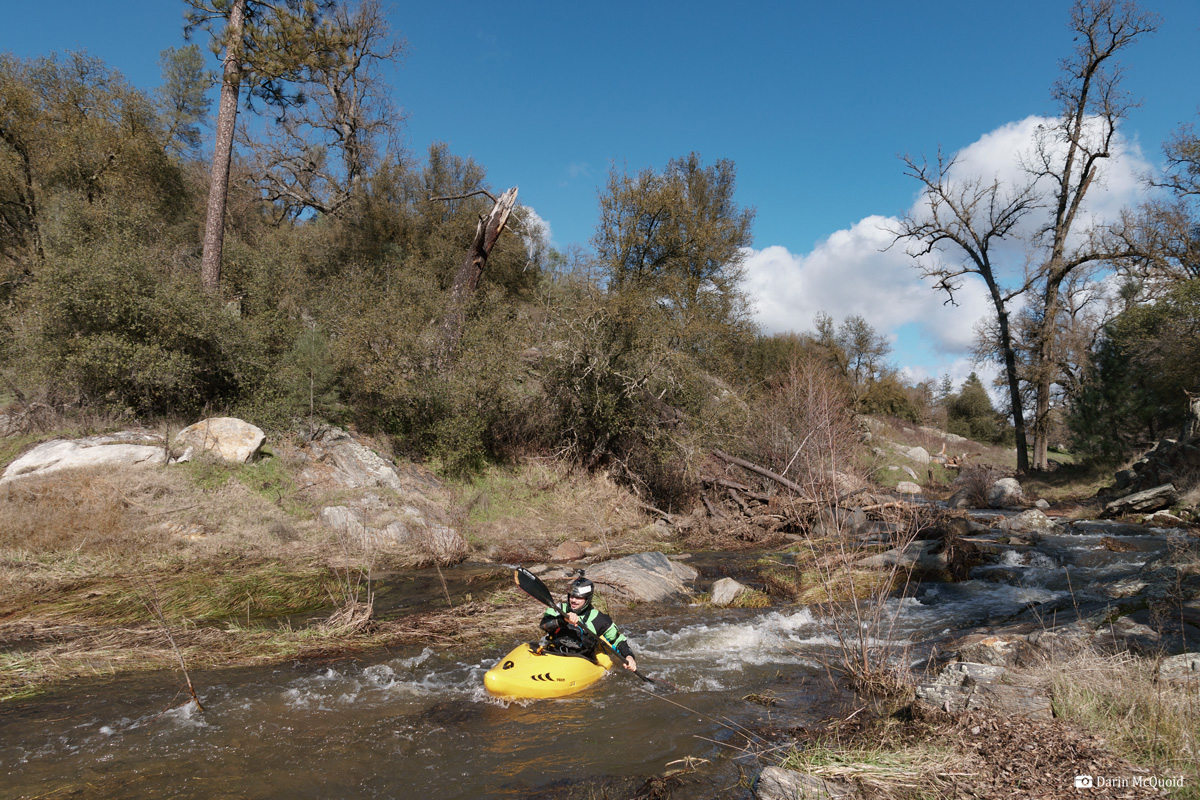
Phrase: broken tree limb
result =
(763, 471)
(741, 487)
(668, 518)
(487, 232)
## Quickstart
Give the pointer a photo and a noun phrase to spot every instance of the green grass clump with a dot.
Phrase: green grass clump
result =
(198, 593)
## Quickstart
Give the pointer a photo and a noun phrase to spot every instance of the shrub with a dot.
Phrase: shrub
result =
(105, 327)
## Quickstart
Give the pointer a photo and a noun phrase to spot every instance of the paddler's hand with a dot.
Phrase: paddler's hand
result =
(630, 664)
(573, 618)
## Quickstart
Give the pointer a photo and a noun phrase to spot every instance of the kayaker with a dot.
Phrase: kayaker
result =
(577, 625)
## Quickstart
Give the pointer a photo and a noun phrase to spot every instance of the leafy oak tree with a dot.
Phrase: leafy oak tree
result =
(672, 244)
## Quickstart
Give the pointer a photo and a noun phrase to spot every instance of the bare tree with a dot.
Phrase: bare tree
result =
(466, 279)
(1068, 155)
(953, 234)
(1065, 164)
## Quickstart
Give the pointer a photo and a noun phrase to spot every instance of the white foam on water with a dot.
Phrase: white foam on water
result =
(955, 605)
(1013, 558)
(187, 715)
(776, 637)
(1039, 560)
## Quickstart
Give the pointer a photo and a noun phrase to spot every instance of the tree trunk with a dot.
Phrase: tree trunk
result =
(1010, 372)
(218, 190)
(467, 278)
(1043, 376)
(28, 195)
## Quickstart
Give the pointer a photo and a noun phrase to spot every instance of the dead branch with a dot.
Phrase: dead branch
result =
(155, 608)
(465, 196)
(763, 471)
(487, 232)
(737, 498)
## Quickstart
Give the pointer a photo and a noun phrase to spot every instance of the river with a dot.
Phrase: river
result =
(418, 724)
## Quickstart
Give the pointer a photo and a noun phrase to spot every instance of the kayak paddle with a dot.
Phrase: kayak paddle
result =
(532, 585)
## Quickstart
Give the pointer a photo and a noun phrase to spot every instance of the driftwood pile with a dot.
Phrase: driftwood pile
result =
(736, 493)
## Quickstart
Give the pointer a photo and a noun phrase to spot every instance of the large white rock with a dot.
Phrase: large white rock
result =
(110, 449)
(726, 591)
(1005, 493)
(1029, 521)
(645, 577)
(228, 437)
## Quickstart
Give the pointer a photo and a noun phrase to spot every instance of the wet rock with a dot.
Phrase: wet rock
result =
(1056, 644)
(1165, 519)
(1114, 545)
(1020, 646)
(229, 438)
(1128, 634)
(644, 578)
(1005, 493)
(1143, 502)
(1125, 587)
(685, 572)
(128, 448)
(726, 591)
(776, 783)
(960, 499)
(1001, 651)
(917, 553)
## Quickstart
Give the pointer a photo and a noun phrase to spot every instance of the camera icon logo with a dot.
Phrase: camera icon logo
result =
(1083, 782)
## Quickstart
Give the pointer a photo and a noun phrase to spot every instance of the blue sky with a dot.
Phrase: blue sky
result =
(813, 102)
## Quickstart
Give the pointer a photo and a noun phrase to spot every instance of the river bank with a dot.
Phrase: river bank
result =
(247, 573)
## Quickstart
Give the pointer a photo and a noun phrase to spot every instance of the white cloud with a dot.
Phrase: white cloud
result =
(857, 271)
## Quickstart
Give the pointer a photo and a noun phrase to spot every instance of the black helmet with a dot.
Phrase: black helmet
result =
(582, 587)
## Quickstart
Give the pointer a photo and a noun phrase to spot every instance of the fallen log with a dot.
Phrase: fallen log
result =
(763, 471)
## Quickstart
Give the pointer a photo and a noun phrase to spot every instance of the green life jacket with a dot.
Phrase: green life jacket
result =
(590, 620)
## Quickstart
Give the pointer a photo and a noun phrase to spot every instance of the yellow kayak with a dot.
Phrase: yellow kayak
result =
(527, 672)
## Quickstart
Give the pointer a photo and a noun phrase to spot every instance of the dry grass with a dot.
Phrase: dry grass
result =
(227, 550)
(887, 763)
(975, 480)
(1153, 722)
(522, 512)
